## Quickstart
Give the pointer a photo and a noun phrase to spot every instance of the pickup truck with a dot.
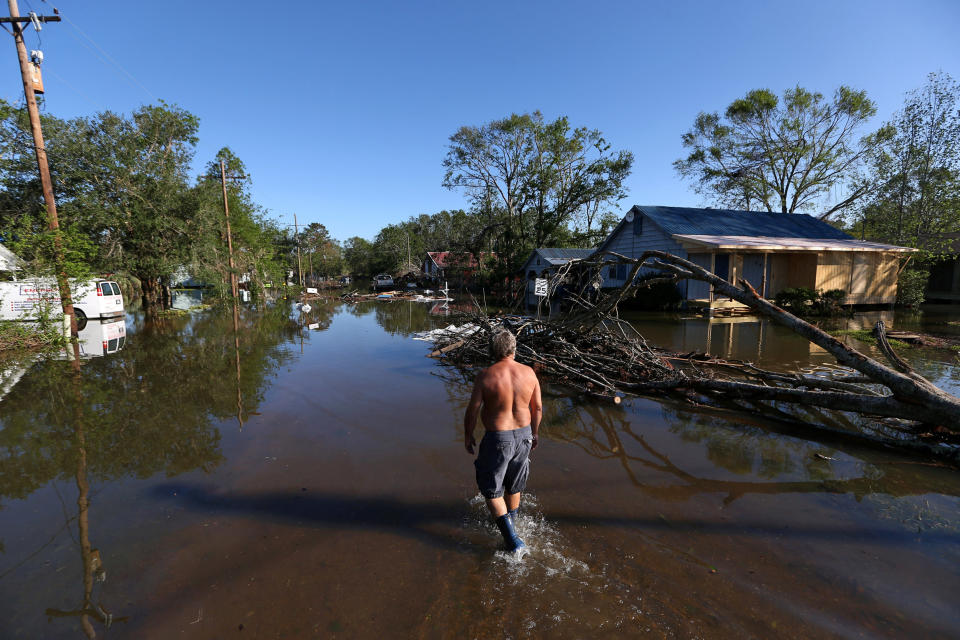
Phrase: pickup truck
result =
(383, 281)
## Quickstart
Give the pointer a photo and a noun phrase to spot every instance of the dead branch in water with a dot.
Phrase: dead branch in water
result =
(592, 350)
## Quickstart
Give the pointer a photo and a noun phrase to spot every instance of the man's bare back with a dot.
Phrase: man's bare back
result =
(507, 389)
(506, 396)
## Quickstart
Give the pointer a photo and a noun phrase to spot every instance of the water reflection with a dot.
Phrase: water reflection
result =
(149, 408)
(740, 446)
(93, 568)
(320, 316)
(404, 318)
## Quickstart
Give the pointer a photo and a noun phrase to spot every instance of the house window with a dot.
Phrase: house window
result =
(538, 261)
(612, 273)
(621, 272)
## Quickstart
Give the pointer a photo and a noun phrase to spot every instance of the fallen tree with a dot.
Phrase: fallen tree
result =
(592, 350)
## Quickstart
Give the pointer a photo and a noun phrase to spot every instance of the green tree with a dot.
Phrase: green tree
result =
(914, 177)
(322, 252)
(528, 178)
(780, 155)
(397, 248)
(258, 249)
(126, 203)
(358, 256)
(139, 204)
(914, 172)
(23, 224)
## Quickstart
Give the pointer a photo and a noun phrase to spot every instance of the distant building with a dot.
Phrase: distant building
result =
(771, 251)
(544, 262)
(944, 283)
(453, 266)
(183, 278)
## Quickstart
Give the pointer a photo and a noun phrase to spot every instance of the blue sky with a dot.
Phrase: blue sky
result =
(342, 111)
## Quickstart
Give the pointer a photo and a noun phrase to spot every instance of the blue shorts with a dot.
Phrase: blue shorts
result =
(503, 462)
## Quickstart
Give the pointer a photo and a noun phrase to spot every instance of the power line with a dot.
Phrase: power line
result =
(71, 87)
(107, 56)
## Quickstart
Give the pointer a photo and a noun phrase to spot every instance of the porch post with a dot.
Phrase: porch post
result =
(713, 269)
(763, 280)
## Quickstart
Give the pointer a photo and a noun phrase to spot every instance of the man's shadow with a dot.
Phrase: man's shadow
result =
(435, 523)
(441, 525)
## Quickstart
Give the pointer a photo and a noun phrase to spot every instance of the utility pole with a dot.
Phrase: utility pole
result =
(17, 22)
(226, 213)
(296, 231)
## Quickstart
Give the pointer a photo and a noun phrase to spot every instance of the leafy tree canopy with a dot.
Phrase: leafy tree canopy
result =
(780, 154)
(529, 178)
(914, 172)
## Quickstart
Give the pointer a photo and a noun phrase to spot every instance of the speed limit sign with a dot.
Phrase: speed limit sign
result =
(540, 287)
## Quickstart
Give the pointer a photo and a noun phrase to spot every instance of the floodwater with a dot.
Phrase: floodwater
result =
(296, 482)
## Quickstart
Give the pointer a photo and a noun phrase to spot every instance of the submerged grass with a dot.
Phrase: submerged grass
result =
(176, 313)
(19, 336)
(866, 335)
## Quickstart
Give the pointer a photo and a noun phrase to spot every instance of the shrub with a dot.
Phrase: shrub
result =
(796, 299)
(804, 301)
(830, 303)
(912, 286)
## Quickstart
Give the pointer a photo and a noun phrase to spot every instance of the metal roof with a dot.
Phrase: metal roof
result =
(557, 257)
(562, 256)
(764, 243)
(691, 221)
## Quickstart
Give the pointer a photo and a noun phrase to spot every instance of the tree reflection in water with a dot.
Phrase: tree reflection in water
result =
(733, 441)
(151, 408)
(404, 318)
(744, 448)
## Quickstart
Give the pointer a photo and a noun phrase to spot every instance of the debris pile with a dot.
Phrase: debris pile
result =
(602, 364)
(594, 352)
(411, 295)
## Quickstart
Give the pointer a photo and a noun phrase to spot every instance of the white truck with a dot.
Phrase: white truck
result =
(40, 297)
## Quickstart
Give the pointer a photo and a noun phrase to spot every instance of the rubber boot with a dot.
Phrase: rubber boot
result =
(513, 514)
(511, 540)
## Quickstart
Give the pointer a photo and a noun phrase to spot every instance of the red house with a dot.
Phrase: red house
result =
(453, 266)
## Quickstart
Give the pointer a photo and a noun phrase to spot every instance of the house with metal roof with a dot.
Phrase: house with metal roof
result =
(547, 260)
(771, 251)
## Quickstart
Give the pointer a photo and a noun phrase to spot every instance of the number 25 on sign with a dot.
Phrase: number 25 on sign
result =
(540, 287)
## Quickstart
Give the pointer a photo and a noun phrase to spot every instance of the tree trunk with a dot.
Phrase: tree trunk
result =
(166, 300)
(151, 297)
(912, 396)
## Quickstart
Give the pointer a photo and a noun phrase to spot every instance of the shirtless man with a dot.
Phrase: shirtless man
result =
(507, 398)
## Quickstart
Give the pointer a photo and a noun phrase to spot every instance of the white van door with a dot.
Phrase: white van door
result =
(112, 299)
(98, 299)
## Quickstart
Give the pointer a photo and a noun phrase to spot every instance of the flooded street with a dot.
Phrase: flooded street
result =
(321, 489)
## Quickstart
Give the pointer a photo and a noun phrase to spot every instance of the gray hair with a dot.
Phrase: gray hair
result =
(502, 344)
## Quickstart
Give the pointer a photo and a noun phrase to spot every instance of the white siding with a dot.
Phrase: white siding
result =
(753, 270)
(626, 243)
(697, 290)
